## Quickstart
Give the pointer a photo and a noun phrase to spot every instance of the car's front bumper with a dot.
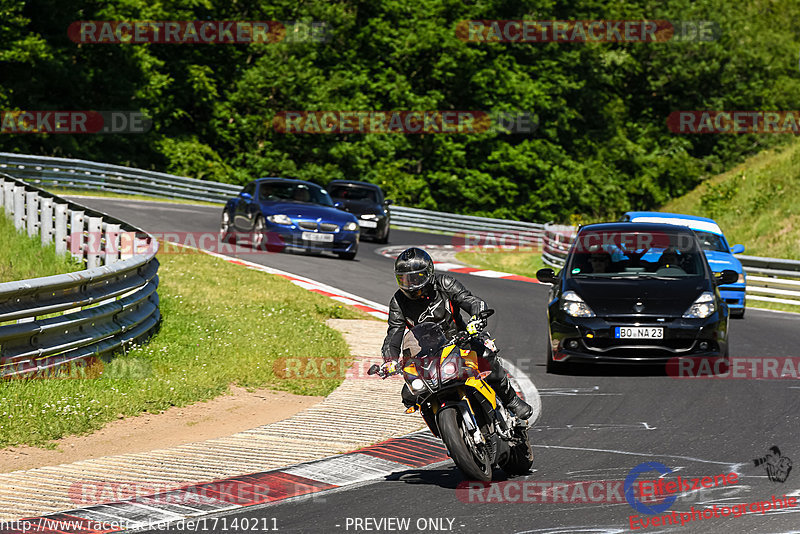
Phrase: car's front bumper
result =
(591, 340)
(282, 237)
(733, 295)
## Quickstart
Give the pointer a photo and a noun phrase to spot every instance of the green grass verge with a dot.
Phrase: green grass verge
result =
(516, 262)
(25, 257)
(754, 203)
(111, 194)
(223, 324)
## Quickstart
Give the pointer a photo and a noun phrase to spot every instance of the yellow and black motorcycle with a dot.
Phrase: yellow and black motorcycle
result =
(458, 405)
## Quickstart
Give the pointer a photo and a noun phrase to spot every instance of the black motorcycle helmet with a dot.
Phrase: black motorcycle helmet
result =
(414, 271)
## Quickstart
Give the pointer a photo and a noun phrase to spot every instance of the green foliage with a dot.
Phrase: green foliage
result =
(602, 145)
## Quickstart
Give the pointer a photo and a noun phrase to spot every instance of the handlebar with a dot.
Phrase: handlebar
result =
(376, 370)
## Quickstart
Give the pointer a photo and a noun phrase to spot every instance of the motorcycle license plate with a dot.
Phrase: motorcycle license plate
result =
(322, 238)
(638, 332)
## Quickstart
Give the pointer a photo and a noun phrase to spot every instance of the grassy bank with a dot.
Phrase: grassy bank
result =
(223, 324)
(754, 203)
(25, 257)
(111, 194)
(524, 263)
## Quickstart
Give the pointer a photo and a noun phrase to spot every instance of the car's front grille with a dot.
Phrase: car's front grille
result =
(307, 225)
(328, 227)
(676, 344)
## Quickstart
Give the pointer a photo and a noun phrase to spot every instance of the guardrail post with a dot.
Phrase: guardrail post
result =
(8, 198)
(32, 217)
(19, 207)
(93, 244)
(47, 221)
(112, 243)
(76, 234)
(127, 245)
(61, 228)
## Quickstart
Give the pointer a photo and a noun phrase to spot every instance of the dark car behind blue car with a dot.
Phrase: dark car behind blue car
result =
(280, 213)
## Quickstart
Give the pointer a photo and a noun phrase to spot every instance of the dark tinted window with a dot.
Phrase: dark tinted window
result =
(361, 194)
(287, 191)
(600, 254)
(709, 241)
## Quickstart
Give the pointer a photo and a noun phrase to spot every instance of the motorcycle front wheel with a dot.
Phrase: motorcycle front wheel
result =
(473, 462)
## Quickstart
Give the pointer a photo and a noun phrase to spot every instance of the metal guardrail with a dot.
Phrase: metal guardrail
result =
(82, 174)
(768, 279)
(88, 175)
(62, 319)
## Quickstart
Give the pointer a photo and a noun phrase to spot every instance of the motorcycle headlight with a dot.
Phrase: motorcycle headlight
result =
(702, 307)
(449, 369)
(575, 306)
(417, 384)
(280, 218)
(351, 227)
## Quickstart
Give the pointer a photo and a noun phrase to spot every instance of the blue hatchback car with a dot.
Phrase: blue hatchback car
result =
(719, 254)
(279, 213)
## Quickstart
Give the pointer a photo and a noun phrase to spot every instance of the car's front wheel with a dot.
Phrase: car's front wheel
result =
(552, 365)
(348, 255)
(385, 239)
(257, 238)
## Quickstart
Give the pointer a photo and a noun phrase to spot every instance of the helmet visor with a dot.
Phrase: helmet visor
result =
(413, 280)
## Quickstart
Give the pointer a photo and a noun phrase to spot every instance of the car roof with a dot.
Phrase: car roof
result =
(636, 226)
(288, 180)
(694, 222)
(354, 183)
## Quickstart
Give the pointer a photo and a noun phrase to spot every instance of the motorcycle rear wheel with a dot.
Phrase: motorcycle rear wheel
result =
(475, 465)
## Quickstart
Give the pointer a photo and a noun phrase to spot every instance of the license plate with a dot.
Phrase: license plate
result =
(313, 236)
(368, 224)
(638, 332)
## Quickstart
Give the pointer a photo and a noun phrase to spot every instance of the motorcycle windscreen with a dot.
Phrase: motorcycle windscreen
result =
(422, 340)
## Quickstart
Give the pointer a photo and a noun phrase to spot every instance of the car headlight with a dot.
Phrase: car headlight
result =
(280, 218)
(740, 280)
(351, 227)
(369, 217)
(702, 307)
(417, 384)
(575, 306)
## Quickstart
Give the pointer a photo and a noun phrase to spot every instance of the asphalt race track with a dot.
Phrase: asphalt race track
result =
(597, 424)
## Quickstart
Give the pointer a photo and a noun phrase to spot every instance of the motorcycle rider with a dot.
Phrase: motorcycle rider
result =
(426, 296)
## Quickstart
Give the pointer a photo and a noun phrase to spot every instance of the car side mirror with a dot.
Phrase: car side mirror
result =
(737, 249)
(387, 201)
(338, 205)
(546, 276)
(728, 276)
(246, 196)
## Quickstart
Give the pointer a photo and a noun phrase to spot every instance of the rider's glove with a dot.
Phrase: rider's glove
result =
(474, 325)
(389, 367)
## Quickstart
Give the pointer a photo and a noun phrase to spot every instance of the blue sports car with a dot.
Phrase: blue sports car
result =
(278, 213)
(720, 256)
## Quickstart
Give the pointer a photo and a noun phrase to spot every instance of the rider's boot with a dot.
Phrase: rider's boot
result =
(512, 401)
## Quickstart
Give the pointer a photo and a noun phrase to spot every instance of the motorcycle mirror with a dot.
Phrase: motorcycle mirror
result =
(374, 369)
(486, 314)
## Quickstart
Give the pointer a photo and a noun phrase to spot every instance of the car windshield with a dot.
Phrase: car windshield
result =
(422, 340)
(637, 254)
(283, 191)
(709, 241)
(361, 194)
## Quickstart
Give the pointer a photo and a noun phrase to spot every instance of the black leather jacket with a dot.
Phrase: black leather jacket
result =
(441, 304)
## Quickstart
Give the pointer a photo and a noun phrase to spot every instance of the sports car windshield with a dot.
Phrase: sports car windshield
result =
(659, 255)
(714, 242)
(283, 191)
